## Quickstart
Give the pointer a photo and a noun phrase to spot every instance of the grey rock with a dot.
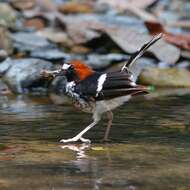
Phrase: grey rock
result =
(183, 64)
(4, 89)
(103, 61)
(50, 54)
(3, 54)
(5, 40)
(24, 74)
(162, 65)
(25, 41)
(7, 15)
(4, 66)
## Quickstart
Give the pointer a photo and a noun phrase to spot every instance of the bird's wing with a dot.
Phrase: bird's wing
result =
(103, 86)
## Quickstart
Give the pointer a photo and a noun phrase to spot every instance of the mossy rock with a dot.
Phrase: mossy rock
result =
(168, 77)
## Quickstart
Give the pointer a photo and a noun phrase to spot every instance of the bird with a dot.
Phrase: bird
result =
(99, 92)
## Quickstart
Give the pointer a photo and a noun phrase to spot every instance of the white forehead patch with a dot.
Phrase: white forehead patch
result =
(65, 66)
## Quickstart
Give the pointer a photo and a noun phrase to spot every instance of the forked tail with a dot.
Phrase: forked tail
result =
(140, 52)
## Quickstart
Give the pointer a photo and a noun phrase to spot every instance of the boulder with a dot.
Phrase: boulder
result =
(50, 54)
(7, 15)
(27, 42)
(23, 75)
(5, 40)
(170, 77)
(4, 89)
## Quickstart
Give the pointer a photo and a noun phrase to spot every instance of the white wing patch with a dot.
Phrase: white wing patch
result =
(101, 81)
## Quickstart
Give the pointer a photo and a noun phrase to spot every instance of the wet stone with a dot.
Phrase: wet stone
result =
(4, 90)
(24, 41)
(22, 5)
(183, 64)
(24, 74)
(4, 66)
(3, 54)
(172, 77)
(50, 54)
(5, 40)
(103, 61)
(7, 15)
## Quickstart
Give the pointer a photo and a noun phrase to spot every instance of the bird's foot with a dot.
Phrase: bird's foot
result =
(75, 139)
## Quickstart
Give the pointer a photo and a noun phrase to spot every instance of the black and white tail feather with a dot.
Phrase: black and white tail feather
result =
(140, 52)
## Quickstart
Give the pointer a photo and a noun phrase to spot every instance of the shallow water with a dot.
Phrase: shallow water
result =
(149, 148)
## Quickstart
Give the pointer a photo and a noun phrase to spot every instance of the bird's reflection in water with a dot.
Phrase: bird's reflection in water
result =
(85, 163)
(80, 149)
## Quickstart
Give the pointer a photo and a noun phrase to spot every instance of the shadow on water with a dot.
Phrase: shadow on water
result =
(149, 147)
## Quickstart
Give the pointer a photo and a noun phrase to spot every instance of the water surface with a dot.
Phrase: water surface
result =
(149, 148)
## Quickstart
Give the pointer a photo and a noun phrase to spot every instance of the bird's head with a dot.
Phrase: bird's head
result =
(76, 70)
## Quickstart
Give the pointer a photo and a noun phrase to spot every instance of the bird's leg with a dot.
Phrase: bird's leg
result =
(79, 136)
(110, 119)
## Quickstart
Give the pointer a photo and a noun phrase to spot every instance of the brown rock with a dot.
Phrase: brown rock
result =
(22, 4)
(76, 7)
(37, 23)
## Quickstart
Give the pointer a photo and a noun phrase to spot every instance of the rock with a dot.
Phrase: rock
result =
(4, 89)
(7, 15)
(30, 41)
(76, 7)
(4, 66)
(80, 49)
(3, 54)
(163, 65)
(83, 29)
(166, 92)
(5, 40)
(103, 61)
(37, 23)
(131, 40)
(170, 77)
(22, 75)
(22, 4)
(56, 37)
(183, 64)
(50, 54)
